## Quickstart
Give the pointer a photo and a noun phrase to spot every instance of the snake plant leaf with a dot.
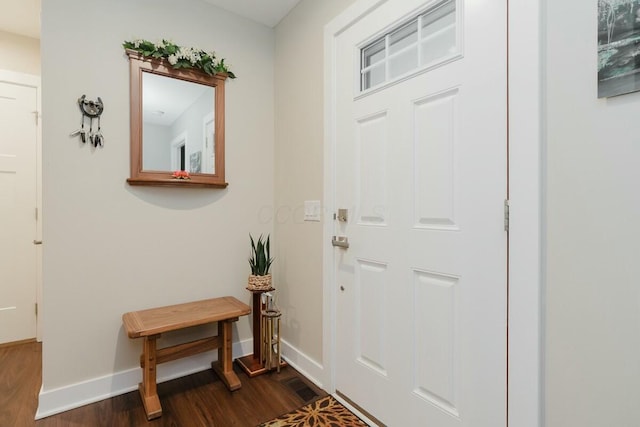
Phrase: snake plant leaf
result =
(260, 260)
(267, 246)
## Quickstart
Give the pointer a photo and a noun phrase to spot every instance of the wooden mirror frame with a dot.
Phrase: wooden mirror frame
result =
(140, 64)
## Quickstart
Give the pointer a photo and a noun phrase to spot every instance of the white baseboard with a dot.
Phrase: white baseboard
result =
(72, 396)
(303, 363)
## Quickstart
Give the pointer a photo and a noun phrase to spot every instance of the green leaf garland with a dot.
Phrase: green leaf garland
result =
(181, 57)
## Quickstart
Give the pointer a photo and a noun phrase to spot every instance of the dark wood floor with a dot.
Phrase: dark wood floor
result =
(196, 400)
(20, 373)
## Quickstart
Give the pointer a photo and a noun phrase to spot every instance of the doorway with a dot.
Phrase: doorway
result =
(20, 212)
(179, 152)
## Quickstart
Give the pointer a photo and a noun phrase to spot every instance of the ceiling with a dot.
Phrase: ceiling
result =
(267, 12)
(166, 99)
(23, 16)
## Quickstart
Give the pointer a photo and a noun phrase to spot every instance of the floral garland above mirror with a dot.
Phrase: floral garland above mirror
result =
(180, 57)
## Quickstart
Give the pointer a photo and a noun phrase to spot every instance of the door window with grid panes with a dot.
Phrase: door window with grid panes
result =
(422, 42)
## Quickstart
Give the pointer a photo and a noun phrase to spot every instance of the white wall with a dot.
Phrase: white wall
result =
(593, 233)
(110, 247)
(19, 53)
(299, 170)
(156, 148)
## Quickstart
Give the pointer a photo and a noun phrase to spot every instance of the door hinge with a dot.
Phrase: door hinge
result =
(37, 116)
(36, 214)
(506, 214)
(36, 309)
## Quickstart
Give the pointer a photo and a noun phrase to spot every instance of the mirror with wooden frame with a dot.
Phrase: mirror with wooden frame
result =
(177, 125)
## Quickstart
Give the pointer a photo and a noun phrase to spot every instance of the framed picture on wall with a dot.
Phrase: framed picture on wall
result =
(618, 47)
(195, 162)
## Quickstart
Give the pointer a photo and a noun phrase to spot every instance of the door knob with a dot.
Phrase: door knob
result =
(342, 288)
(37, 242)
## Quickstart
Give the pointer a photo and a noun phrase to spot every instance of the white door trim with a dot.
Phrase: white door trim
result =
(525, 393)
(207, 162)
(30, 80)
(526, 245)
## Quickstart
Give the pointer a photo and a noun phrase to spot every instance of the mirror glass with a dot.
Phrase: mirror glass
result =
(178, 125)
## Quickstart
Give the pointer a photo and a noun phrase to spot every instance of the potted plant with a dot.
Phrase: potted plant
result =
(260, 262)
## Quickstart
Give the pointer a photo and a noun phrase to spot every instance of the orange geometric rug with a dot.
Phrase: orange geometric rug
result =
(323, 412)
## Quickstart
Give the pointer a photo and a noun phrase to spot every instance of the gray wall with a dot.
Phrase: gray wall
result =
(593, 234)
(113, 248)
(299, 170)
(156, 149)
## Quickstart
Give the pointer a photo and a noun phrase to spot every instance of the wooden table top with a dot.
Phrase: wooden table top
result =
(155, 321)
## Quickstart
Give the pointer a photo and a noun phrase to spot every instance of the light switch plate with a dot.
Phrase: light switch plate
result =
(312, 210)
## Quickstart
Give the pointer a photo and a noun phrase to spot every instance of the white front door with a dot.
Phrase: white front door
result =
(421, 167)
(18, 137)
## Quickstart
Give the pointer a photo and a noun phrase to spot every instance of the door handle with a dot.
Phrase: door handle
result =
(340, 241)
(37, 242)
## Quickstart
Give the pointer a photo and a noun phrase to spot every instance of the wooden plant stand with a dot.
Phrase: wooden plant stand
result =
(252, 364)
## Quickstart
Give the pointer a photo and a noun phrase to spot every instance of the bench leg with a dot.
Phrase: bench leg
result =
(224, 366)
(148, 388)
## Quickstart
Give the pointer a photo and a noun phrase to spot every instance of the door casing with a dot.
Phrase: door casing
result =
(526, 186)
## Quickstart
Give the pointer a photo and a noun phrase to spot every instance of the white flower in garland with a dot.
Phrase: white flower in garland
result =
(190, 54)
(173, 60)
(161, 44)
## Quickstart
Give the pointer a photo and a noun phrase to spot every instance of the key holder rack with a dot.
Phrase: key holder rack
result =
(91, 110)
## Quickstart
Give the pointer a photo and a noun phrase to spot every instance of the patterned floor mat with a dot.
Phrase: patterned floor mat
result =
(323, 412)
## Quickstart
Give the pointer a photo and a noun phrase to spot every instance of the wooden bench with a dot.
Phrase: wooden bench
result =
(150, 324)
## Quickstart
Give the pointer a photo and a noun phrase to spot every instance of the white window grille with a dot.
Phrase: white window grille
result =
(418, 43)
